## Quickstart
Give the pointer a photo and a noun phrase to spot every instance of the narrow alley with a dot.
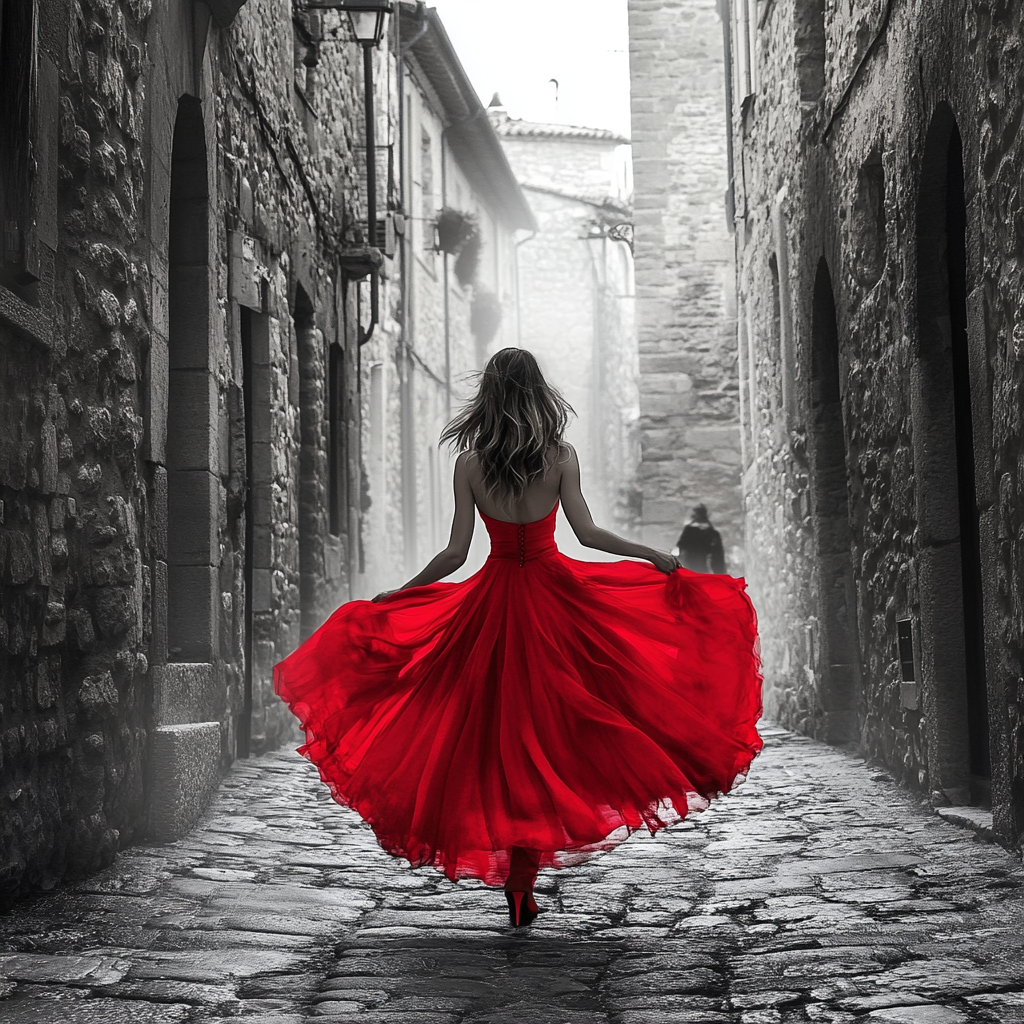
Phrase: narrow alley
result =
(817, 891)
(255, 255)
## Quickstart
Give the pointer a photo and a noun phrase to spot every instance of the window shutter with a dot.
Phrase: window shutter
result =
(41, 240)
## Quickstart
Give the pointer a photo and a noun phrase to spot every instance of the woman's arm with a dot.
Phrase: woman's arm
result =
(452, 557)
(592, 536)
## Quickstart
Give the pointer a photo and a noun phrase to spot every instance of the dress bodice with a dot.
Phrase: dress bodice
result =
(522, 542)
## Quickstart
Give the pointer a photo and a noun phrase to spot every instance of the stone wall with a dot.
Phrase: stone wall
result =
(878, 200)
(166, 531)
(689, 401)
(74, 636)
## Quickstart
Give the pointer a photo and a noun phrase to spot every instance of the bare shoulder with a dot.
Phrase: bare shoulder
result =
(465, 464)
(467, 468)
(566, 457)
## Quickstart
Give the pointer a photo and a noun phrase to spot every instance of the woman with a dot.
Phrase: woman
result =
(544, 708)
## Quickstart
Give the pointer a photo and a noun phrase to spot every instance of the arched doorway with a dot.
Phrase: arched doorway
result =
(312, 372)
(192, 486)
(950, 570)
(837, 616)
(258, 609)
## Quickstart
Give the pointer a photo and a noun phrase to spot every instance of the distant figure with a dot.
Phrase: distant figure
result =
(700, 544)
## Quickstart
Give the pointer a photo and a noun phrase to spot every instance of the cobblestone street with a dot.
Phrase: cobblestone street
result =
(819, 891)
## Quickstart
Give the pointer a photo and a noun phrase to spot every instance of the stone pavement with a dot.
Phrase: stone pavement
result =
(818, 891)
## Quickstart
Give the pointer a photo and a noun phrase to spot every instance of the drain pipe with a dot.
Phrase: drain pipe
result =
(725, 13)
(407, 422)
(371, 188)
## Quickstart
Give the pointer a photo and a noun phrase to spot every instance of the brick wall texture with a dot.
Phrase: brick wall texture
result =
(689, 402)
(879, 220)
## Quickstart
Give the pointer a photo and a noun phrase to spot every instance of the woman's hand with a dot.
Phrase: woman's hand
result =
(663, 561)
(453, 557)
(384, 593)
(574, 505)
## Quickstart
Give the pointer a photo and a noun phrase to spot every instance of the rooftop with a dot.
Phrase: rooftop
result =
(513, 127)
(472, 137)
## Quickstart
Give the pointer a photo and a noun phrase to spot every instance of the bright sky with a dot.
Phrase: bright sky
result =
(515, 48)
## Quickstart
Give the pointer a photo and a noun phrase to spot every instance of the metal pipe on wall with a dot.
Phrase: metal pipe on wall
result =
(407, 411)
(371, 187)
(447, 286)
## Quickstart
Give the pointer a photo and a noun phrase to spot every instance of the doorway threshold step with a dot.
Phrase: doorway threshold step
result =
(977, 819)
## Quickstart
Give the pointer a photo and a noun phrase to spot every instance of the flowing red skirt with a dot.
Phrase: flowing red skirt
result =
(544, 704)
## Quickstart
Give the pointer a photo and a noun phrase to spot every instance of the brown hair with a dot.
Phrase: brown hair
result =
(515, 417)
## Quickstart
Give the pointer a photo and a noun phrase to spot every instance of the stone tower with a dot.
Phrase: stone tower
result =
(689, 394)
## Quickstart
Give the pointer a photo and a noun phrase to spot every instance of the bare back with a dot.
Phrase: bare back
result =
(560, 482)
(538, 499)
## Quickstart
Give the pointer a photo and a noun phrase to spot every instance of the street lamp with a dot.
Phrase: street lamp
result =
(369, 21)
(368, 18)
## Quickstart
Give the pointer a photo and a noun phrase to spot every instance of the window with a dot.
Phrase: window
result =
(867, 221)
(830, 522)
(29, 118)
(427, 201)
(17, 80)
(376, 465)
(745, 367)
(307, 35)
(773, 266)
(336, 439)
(809, 25)
(309, 348)
(755, 415)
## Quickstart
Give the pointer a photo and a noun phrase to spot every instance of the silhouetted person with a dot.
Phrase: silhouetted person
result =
(700, 544)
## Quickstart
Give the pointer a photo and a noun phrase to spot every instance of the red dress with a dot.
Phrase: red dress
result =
(544, 704)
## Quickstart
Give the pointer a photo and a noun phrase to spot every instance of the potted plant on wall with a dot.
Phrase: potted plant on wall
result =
(454, 229)
(458, 235)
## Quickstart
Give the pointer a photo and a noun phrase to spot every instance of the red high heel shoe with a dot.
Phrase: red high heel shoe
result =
(519, 912)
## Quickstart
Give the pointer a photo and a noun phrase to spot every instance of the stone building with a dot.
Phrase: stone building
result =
(686, 311)
(178, 394)
(575, 296)
(454, 303)
(879, 233)
(191, 349)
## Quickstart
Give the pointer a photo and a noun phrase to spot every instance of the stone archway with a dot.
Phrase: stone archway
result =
(839, 658)
(189, 735)
(192, 484)
(309, 344)
(945, 425)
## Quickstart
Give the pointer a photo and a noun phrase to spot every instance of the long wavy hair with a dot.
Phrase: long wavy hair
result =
(511, 423)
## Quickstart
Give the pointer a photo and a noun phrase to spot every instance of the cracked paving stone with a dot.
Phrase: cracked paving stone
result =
(928, 1014)
(817, 892)
(95, 1010)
